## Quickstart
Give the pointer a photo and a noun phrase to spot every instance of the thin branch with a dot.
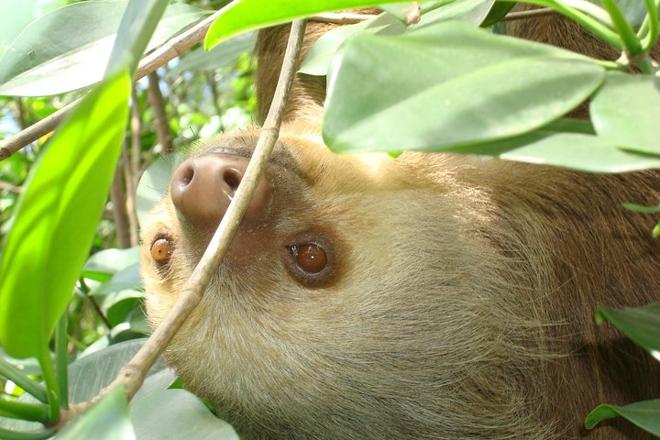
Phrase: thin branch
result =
(132, 375)
(158, 57)
(532, 13)
(119, 212)
(130, 186)
(160, 116)
(341, 17)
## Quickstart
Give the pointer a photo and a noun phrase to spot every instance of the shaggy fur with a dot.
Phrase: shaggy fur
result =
(462, 304)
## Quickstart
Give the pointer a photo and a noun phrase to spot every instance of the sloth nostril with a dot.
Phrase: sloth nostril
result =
(232, 177)
(186, 175)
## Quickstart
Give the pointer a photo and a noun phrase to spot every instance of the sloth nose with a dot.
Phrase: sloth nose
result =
(203, 187)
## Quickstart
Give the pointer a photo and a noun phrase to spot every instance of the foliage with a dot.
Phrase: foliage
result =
(498, 96)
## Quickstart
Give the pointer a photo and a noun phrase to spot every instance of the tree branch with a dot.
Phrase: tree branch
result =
(132, 375)
(119, 212)
(160, 116)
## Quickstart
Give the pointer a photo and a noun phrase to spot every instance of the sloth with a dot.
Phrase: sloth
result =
(428, 296)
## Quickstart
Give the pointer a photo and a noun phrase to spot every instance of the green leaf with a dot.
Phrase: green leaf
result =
(135, 30)
(472, 11)
(640, 324)
(107, 420)
(224, 54)
(644, 414)
(68, 49)
(577, 151)
(103, 264)
(498, 12)
(154, 184)
(118, 305)
(469, 86)
(56, 218)
(177, 414)
(126, 278)
(90, 374)
(626, 111)
(244, 15)
(317, 60)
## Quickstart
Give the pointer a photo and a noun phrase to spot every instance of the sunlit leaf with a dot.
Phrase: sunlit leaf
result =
(126, 278)
(498, 88)
(244, 15)
(107, 420)
(626, 111)
(154, 184)
(640, 324)
(644, 414)
(472, 11)
(69, 48)
(56, 218)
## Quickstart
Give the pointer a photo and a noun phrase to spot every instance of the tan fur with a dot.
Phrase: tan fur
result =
(463, 307)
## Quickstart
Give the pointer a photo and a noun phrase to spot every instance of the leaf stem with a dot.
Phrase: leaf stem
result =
(587, 20)
(630, 40)
(62, 360)
(649, 27)
(52, 385)
(9, 371)
(34, 412)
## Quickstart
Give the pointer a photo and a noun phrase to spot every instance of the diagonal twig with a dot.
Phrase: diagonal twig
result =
(132, 375)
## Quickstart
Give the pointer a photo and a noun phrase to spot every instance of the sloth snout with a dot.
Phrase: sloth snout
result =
(202, 189)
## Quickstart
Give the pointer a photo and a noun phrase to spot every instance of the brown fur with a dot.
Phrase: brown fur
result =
(462, 308)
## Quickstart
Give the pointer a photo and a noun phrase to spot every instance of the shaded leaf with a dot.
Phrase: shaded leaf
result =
(103, 264)
(500, 87)
(176, 414)
(154, 184)
(91, 373)
(644, 414)
(626, 111)
(56, 218)
(107, 420)
(640, 324)
(127, 278)
(498, 12)
(68, 49)
(119, 304)
(472, 11)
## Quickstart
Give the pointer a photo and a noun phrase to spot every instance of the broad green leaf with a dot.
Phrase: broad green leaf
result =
(317, 61)
(56, 218)
(633, 10)
(14, 17)
(103, 264)
(626, 111)
(126, 278)
(90, 374)
(69, 48)
(154, 184)
(577, 151)
(472, 11)
(135, 30)
(107, 420)
(640, 324)
(469, 86)
(176, 414)
(244, 15)
(119, 305)
(644, 414)
(224, 54)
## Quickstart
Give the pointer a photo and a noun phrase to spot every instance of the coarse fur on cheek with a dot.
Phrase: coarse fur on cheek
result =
(416, 323)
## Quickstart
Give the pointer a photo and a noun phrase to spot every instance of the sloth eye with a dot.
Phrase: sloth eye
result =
(310, 257)
(161, 250)
(311, 260)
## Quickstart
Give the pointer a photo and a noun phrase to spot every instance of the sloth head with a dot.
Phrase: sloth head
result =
(356, 291)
